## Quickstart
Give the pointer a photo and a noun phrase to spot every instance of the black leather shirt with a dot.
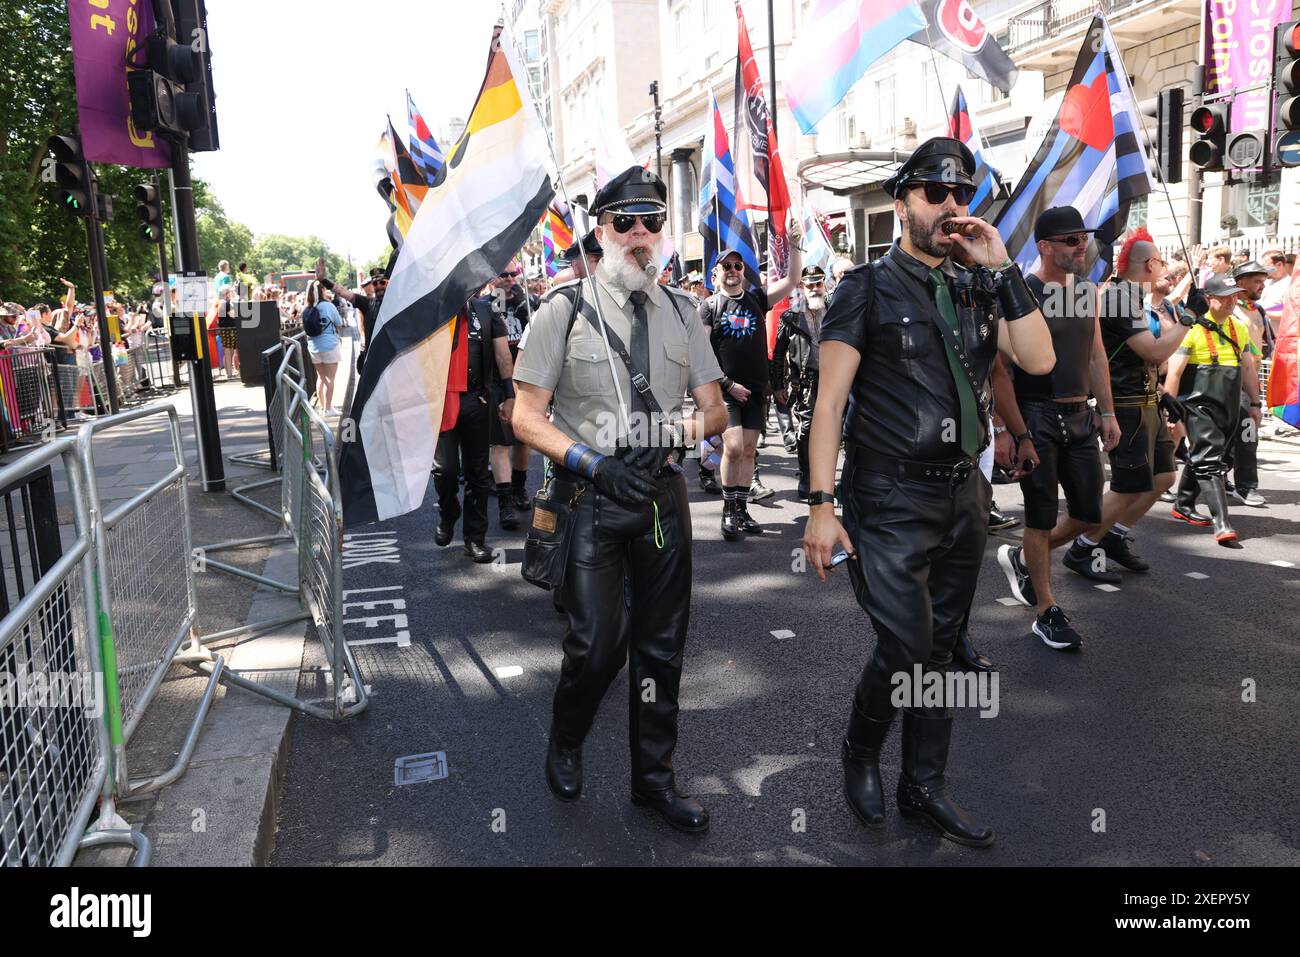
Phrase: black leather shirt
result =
(904, 397)
(795, 355)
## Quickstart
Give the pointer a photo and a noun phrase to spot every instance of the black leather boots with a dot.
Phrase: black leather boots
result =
(920, 786)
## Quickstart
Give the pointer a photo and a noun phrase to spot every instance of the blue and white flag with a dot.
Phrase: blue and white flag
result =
(723, 223)
(424, 148)
(1090, 159)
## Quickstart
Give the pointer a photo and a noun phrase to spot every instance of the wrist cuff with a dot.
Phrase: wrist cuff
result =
(507, 389)
(582, 459)
(1014, 294)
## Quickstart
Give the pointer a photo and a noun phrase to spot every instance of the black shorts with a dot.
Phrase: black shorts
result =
(1069, 458)
(1145, 450)
(747, 415)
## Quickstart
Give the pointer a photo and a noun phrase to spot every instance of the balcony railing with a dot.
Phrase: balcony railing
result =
(1051, 18)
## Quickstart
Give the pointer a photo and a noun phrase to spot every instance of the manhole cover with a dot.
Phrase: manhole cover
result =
(417, 768)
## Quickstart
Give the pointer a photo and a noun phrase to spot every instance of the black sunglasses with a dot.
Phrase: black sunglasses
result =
(1070, 241)
(508, 275)
(653, 222)
(733, 267)
(936, 193)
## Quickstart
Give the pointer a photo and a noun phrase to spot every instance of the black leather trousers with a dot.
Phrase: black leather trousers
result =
(465, 446)
(803, 424)
(920, 546)
(644, 624)
(1243, 457)
(1212, 396)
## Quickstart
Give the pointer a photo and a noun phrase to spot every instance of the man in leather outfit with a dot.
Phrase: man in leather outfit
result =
(913, 336)
(630, 513)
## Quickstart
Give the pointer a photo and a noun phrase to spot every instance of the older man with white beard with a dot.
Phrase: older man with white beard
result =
(616, 353)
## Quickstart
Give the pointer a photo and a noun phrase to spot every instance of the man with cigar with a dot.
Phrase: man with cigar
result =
(608, 352)
(1215, 363)
(913, 335)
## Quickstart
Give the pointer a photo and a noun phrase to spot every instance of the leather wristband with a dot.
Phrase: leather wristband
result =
(582, 460)
(327, 283)
(1014, 295)
(507, 389)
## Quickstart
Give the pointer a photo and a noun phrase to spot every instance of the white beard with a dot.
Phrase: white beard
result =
(615, 268)
(816, 303)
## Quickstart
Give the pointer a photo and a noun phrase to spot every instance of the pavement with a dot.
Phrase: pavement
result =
(1166, 740)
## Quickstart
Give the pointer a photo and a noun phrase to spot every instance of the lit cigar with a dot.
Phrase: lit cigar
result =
(643, 260)
(965, 229)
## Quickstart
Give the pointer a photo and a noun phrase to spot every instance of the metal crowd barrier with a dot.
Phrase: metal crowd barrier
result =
(30, 398)
(311, 514)
(55, 757)
(145, 587)
(285, 360)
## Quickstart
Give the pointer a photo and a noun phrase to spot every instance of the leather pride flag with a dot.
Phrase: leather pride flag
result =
(497, 187)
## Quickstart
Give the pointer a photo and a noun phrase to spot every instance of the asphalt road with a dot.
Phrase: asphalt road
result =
(1138, 749)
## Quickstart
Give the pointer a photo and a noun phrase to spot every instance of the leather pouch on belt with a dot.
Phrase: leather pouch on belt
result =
(550, 536)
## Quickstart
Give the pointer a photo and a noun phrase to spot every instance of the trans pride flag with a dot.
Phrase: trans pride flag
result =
(839, 41)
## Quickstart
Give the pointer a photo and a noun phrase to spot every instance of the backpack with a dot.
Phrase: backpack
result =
(312, 323)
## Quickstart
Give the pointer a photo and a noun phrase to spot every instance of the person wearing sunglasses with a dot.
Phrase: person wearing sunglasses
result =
(626, 588)
(913, 336)
(1055, 431)
(736, 318)
(368, 302)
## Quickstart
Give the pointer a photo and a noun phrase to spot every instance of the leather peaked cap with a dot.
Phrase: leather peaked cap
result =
(635, 190)
(932, 162)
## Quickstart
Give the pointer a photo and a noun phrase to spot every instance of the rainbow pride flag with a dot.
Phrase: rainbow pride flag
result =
(841, 39)
(557, 235)
(1284, 377)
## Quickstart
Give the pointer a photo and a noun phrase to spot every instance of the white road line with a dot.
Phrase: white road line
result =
(1009, 602)
(1282, 564)
(1197, 575)
(1106, 587)
(782, 633)
(509, 671)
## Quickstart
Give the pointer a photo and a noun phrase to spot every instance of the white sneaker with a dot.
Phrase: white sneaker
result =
(1249, 497)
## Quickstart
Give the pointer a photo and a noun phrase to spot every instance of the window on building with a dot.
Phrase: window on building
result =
(709, 13)
(681, 14)
(885, 106)
(1251, 207)
(1139, 212)
(846, 122)
(532, 46)
(711, 61)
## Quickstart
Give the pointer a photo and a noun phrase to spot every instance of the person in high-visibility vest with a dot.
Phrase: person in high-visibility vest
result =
(1215, 363)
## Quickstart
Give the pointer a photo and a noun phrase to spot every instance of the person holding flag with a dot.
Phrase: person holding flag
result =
(913, 336)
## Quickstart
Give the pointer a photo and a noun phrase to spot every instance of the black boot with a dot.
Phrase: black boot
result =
(860, 755)
(966, 654)
(744, 521)
(563, 770)
(920, 787)
(1185, 499)
(1216, 499)
(680, 810)
(478, 553)
(730, 528)
(442, 537)
(709, 481)
(519, 490)
(509, 521)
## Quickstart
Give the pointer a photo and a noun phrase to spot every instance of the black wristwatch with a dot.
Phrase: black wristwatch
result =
(1023, 436)
(821, 498)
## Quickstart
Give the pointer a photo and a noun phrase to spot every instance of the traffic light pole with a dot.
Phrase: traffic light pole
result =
(98, 282)
(212, 467)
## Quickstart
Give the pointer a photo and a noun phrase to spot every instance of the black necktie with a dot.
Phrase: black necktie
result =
(640, 334)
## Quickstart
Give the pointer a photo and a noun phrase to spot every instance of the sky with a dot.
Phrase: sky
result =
(302, 92)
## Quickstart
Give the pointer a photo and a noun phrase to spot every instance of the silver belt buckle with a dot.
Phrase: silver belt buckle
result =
(960, 473)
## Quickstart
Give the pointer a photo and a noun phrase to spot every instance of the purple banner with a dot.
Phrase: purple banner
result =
(104, 33)
(1237, 51)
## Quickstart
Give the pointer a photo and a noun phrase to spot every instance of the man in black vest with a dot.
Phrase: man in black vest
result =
(913, 336)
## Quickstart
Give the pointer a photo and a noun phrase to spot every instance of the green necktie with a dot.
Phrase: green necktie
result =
(970, 426)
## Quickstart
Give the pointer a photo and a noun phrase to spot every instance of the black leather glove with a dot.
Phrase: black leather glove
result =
(622, 479)
(1174, 409)
(1196, 304)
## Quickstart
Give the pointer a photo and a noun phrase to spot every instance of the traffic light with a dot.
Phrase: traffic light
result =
(192, 29)
(72, 174)
(149, 209)
(1166, 109)
(1285, 137)
(104, 207)
(1210, 124)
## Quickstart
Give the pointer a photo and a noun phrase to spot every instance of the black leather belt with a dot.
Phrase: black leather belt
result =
(951, 473)
(1061, 408)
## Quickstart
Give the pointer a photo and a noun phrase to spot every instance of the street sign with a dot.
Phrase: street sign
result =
(1288, 148)
(193, 297)
(1245, 149)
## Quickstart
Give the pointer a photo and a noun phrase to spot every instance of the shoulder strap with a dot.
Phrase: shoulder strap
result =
(639, 382)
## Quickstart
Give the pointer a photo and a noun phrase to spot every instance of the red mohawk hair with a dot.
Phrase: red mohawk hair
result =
(1138, 235)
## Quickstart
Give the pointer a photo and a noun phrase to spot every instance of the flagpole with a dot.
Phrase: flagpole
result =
(934, 64)
(771, 113)
(1114, 47)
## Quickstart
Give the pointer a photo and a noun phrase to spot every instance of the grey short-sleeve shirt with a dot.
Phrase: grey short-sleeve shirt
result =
(577, 371)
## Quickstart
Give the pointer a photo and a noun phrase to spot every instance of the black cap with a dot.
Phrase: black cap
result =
(813, 274)
(635, 190)
(1249, 269)
(1221, 287)
(1059, 221)
(589, 244)
(927, 165)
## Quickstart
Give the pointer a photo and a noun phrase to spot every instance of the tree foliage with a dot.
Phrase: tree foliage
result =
(40, 242)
